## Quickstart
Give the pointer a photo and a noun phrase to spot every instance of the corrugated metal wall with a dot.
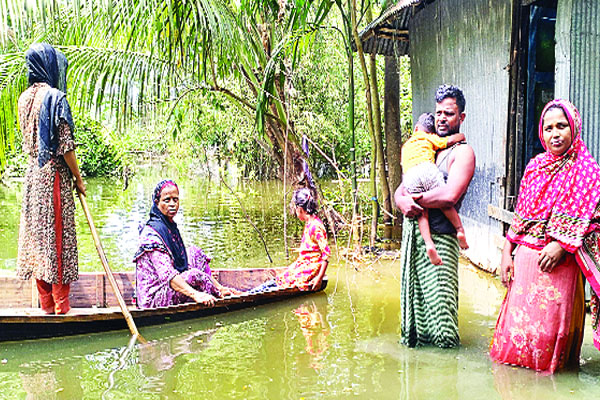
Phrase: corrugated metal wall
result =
(584, 83)
(467, 43)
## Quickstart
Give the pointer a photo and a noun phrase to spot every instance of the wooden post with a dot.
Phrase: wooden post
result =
(393, 134)
(109, 274)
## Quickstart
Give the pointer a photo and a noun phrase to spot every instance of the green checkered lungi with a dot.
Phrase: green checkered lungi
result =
(429, 294)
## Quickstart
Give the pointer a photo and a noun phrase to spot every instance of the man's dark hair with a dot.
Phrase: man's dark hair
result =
(454, 92)
(427, 122)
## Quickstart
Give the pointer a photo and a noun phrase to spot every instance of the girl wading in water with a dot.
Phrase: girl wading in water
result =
(555, 231)
(47, 241)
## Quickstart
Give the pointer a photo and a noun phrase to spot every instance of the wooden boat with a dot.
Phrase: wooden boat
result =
(95, 308)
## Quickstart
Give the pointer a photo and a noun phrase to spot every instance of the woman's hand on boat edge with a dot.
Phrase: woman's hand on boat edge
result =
(203, 298)
(229, 291)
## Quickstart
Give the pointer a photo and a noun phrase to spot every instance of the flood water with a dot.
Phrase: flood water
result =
(210, 216)
(340, 344)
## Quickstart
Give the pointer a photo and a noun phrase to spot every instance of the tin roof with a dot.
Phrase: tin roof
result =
(388, 34)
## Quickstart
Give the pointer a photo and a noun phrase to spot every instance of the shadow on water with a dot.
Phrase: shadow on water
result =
(343, 343)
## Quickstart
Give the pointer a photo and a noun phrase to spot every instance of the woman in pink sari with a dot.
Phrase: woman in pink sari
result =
(555, 234)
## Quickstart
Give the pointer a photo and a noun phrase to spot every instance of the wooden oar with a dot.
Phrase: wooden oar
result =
(108, 271)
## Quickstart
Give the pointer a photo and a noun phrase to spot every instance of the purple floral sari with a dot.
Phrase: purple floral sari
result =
(155, 268)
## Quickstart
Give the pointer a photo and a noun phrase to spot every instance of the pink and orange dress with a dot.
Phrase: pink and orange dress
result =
(313, 251)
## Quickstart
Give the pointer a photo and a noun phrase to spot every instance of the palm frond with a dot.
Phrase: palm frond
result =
(127, 57)
(13, 80)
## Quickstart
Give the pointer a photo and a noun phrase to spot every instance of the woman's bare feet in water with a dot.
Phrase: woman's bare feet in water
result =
(433, 255)
(462, 239)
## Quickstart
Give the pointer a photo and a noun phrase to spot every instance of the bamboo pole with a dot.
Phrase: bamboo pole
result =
(109, 274)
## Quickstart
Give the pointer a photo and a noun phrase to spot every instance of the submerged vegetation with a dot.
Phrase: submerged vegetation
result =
(190, 82)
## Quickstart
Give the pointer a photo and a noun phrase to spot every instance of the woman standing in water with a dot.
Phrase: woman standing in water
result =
(555, 233)
(47, 241)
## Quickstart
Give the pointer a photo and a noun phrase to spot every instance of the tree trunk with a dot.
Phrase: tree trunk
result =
(386, 199)
(374, 202)
(393, 134)
(280, 131)
(294, 174)
(353, 133)
(365, 73)
(354, 225)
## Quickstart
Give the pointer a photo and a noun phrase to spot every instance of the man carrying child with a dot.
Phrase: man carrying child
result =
(429, 294)
(420, 174)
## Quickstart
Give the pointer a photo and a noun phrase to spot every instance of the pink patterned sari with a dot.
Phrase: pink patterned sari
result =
(541, 319)
(558, 201)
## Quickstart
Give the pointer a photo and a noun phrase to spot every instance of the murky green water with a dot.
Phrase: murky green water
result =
(339, 344)
(210, 216)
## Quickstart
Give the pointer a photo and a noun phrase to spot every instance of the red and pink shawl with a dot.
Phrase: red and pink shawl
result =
(559, 200)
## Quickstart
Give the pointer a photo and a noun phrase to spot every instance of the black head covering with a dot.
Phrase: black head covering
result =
(168, 230)
(42, 64)
(48, 65)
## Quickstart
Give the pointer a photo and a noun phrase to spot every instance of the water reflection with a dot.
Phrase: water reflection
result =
(210, 217)
(511, 384)
(49, 384)
(338, 344)
(157, 358)
(125, 357)
(315, 331)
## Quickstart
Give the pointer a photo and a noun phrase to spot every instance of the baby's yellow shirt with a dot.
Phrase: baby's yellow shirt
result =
(421, 147)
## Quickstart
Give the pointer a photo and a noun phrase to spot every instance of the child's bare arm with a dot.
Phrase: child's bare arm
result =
(455, 138)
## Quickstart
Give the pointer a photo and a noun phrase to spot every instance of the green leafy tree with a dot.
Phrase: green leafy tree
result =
(97, 156)
(135, 57)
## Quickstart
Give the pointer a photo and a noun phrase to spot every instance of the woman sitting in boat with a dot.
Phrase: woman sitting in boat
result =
(307, 272)
(166, 273)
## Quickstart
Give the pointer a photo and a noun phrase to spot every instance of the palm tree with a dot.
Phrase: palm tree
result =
(134, 56)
